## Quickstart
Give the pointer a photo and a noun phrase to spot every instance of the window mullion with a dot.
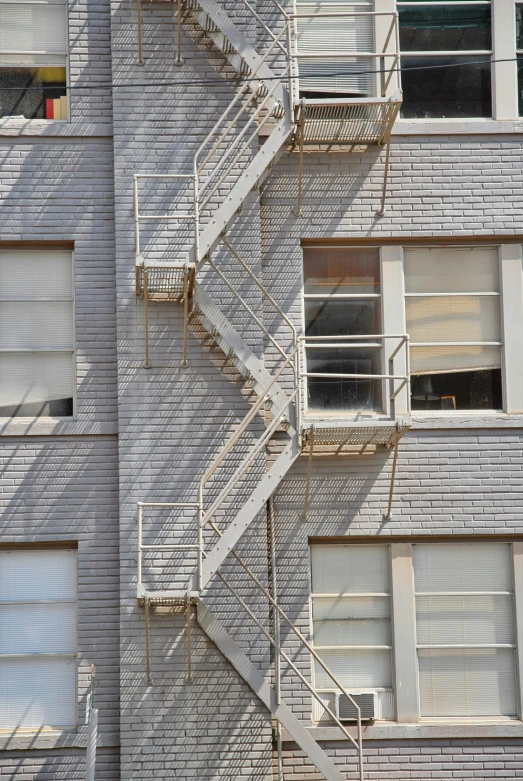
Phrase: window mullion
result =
(504, 66)
(511, 318)
(404, 633)
(517, 551)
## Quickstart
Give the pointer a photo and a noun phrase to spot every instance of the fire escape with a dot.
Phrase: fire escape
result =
(274, 99)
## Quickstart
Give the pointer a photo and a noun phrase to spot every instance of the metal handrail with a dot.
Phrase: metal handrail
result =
(163, 546)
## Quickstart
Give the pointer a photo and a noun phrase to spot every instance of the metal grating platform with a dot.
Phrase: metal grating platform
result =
(344, 121)
(164, 282)
(387, 434)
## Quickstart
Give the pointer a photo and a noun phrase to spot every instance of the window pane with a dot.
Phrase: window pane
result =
(341, 270)
(43, 629)
(352, 621)
(344, 394)
(520, 85)
(445, 28)
(27, 575)
(33, 324)
(465, 620)
(35, 378)
(519, 25)
(343, 569)
(342, 317)
(37, 692)
(36, 273)
(33, 93)
(454, 318)
(451, 270)
(355, 669)
(446, 87)
(462, 360)
(456, 390)
(467, 566)
(467, 682)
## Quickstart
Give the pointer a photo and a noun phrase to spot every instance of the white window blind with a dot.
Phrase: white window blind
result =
(36, 326)
(33, 32)
(351, 611)
(337, 35)
(37, 638)
(453, 309)
(465, 630)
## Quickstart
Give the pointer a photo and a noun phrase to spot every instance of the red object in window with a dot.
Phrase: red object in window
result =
(49, 114)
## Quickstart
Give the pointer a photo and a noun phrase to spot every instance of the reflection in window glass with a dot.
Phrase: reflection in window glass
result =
(446, 85)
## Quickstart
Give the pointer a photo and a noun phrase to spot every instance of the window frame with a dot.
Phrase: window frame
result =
(393, 319)
(74, 656)
(72, 351)
(404, 642)
(503, 74)
(65, 54)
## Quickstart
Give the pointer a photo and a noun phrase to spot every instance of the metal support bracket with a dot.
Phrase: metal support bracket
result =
(147, 643)
(388, 515)
(139, 31)
(300, 132)
(309, 470)
(178, 60)
(186, 280)
(381, 211)
(146, 363)
(189, 650)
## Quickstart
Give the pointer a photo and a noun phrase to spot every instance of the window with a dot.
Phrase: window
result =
(351, 610)
(454, 322)
(36, 333)
(328, 46)
(465, 630)
(446, 59)
(37, 638)
(33, 59)
(342, 294)
(437, 618)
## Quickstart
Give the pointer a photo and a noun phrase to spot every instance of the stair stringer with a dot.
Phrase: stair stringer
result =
(242, 56)
(257, 501)
(255, 680)
(228, 339)
(226, 212)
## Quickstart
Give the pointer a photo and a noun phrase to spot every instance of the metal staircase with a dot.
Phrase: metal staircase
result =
(228, 165)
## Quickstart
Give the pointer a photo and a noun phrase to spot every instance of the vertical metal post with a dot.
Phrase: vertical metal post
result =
(186, 274)
(136, 218)
(189, 650)
(388, 516)
(140, 521)
(147, 644)
(179, 60)
(309, 469)
(200, 537)
(276, 622)
(146, 363)
(385, 178)
(360, 748)
(139, 13)
(301, 131)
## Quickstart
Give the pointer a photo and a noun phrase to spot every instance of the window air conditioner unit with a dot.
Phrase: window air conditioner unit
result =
(347, 711)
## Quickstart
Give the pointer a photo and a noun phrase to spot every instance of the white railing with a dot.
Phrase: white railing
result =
(397, 380)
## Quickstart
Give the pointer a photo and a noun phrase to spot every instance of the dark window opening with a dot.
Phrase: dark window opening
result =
(57, 408)
(33, 93)
(457, 390)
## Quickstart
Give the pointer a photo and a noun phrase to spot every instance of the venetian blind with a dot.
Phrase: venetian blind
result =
(465, 629)
(452, 296)
(343, 36)
(352, 614)
(33, 32)
(37, 638)
(36, 326)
